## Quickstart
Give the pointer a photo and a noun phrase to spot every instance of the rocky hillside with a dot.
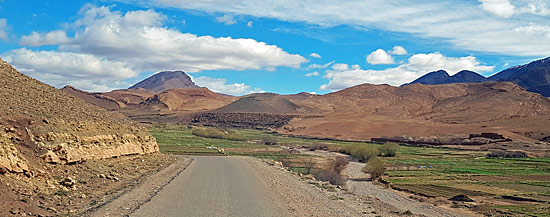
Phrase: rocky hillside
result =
(39, 124)
(166, 80)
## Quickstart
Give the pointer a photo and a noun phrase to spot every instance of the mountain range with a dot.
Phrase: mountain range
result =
(462, 104)
(534, 77)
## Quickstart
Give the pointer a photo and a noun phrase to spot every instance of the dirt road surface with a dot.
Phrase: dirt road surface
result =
(215, 186)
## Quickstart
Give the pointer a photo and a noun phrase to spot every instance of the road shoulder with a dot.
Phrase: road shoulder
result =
(133, 198)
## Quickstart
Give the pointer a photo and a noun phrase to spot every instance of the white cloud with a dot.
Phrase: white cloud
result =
(50, 38)
(380, 56)
(505, 9)
(138, 37)
(316, 55)
(470, 29)
(534, 30)
(249, 24)
(317, 66)
(501, 8)
(219, 85)
(61, 68)
(139, 40)
(342, 76)
(226, 19)
(3, 33)
(316, 73)
(398, 50)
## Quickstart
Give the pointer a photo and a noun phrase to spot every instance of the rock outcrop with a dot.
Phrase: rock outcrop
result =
(39, 123)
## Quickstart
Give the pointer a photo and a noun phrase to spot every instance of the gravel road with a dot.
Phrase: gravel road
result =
(215, 186)
(389, 196)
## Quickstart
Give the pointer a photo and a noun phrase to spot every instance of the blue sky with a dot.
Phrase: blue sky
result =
(240, 47)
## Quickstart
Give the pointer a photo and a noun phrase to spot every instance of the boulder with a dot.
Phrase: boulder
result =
(51, 157)
(462, 198)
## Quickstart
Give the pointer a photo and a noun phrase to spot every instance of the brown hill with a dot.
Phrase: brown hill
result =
(166, 80)
(147, 106)
(93, 98)
(37, 120)
(190, 100)
(260, 102)
(367, 111)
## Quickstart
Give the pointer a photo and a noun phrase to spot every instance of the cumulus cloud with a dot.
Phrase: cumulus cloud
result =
(226, 19)
(316, 55)
(316, 73)
(501, 8)
(61, 68)
(379, 57)
(50, 38)
(470, 29)
(343, 76)
(219, 85)
(139, 40)
(398, 50)
(3, 33)
(317, 66)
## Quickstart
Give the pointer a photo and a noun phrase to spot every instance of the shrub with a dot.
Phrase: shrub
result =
(360, 153)
(318, 146)
(269, 140)
(388, 149)
(329, 176)
(375, 167)
(338, 164)
(286, 162)
(507, 154)
(309, 163)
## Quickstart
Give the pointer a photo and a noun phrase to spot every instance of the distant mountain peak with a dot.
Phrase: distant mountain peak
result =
(442, 77)
(166, 80)
(534, 76)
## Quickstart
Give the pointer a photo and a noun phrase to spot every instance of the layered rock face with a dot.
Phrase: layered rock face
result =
(39, 123)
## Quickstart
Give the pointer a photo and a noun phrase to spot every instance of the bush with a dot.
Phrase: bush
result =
(507, 154)
(388, 149)
(362, 154)
(338, 164)
(329, 176)
(208, 132)
(269, 140)
(318, 146)
(375, 167)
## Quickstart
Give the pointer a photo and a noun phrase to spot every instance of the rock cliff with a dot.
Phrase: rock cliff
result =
(39, 124)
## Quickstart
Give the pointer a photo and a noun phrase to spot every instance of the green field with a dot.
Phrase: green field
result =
(442, 173)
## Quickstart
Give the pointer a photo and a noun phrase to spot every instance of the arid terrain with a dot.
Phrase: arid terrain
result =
(443, 115)
(74, 152)
(56, 153)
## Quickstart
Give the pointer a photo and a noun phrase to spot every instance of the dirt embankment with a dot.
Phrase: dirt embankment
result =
(51, 143)
(73, 189)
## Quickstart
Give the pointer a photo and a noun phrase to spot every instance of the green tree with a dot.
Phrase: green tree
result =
(375, 167)
(388, 149)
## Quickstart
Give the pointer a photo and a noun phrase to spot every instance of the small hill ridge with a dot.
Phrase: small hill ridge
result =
(189, 99)
(260, 102)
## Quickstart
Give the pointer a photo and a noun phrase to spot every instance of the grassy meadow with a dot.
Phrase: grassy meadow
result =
(517, 186)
